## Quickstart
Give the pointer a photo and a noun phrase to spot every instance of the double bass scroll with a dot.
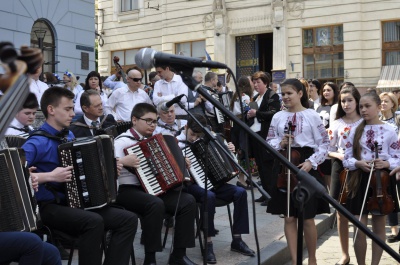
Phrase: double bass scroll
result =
(118, 67)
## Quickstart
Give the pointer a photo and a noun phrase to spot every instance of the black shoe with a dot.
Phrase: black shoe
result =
(241, 247)
(64, 254)
(393, 238)
(210, 254)
(261, 199)
(169, 222)
(246, 187)
(346, 263)
(264, 203)
(180, 261)
(216, 231)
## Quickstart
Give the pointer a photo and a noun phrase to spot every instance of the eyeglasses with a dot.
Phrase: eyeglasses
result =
(148, 121)
(135, 79)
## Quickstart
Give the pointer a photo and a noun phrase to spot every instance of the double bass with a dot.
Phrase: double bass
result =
(119, 69)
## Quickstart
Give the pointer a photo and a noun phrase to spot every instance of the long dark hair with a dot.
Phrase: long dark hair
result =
(297, 86)
(93, 74)
(356, 95)
(355, 180)
(335, 93)
(244, 87)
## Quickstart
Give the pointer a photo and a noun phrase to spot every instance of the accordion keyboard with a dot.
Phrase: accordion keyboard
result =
(72, 186)
(196, 170)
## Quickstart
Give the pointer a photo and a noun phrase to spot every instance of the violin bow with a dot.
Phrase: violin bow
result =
(290, 129)
(366, 193)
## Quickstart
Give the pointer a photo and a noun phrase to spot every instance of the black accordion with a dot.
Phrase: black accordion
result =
(18, 207)
(94, 171)
(117, 129)
(161, 163)
(220, 167)
(15, 140)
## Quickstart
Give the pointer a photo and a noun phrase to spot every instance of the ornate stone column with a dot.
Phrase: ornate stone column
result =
(279, 40)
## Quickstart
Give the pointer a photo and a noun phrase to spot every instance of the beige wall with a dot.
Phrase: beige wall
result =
(362, 34)
(183, 20)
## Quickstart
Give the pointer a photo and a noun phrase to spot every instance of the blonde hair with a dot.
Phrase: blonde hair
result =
(392, 98)
(74, 81)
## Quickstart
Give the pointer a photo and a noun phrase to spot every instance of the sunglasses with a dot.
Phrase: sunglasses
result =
(135, 79)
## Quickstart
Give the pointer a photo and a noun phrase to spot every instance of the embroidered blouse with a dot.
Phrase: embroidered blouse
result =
(386, 137)
(338, 134)
(309, 132)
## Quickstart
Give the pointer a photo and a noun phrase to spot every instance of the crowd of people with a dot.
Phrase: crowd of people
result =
(330, 130)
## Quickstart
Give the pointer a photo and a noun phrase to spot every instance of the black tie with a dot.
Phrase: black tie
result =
(94, 127)
(26, 129)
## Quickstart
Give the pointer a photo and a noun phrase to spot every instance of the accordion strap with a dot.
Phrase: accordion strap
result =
(46, 134)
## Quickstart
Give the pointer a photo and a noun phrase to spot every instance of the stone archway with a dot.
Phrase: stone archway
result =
(42, 28)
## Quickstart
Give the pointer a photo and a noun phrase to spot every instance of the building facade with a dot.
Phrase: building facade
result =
(65, 30)
(344, 40)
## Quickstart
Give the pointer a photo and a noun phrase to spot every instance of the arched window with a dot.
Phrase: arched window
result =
(42, 36)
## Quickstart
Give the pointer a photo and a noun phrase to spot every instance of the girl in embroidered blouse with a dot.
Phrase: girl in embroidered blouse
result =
(359, 153)
(347, 117)
(310, 139)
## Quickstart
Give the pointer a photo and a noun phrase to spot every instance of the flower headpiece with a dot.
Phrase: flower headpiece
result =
(57, 76)
(67, 73)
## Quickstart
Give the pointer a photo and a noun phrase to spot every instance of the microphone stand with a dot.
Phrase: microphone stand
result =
(207, 137)
(309, 186)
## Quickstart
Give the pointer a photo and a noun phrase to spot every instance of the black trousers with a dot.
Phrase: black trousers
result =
(264, 162)
(152, 210)
(89, 226)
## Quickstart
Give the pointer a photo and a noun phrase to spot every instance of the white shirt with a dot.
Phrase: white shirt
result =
(178, 124)
(38, 87)
(386, 137)
(317, 102)
(15, 123)
(236, 106)
(122, 101)
(110, 83)
(256, 127)
(120, 144)
(332, 114)
(78, 108)
(169, 90)
(338, 133)
(89, 122)
(309, 132)
(77, 90)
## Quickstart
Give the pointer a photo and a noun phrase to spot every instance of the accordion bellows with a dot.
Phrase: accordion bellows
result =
(94, 171)
(18, 208)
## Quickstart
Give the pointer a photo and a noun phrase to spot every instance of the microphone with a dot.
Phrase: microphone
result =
(147, 58)
(166, 105)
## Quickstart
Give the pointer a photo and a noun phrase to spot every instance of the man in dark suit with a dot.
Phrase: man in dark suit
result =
(259, 120)
(93, 119)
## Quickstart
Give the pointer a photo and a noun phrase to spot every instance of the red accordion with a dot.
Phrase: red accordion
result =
(161, 163)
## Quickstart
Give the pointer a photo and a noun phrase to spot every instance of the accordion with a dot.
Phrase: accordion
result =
(119, 128)
(161, 163)
(15, 140)
(220, 167)
(94, 171)
(18, 207)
